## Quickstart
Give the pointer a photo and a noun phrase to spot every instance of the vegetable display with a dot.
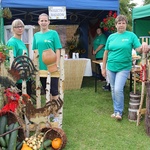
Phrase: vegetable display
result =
(9, 139)
(56, 143)
(9, 134)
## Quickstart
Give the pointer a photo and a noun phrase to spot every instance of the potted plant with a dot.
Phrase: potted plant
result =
(4, 52)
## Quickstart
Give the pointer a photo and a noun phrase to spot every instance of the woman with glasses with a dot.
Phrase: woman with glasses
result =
(19, 48)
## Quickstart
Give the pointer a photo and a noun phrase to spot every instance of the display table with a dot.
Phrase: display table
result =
(100, 62)
(88, 67)
(74, 70)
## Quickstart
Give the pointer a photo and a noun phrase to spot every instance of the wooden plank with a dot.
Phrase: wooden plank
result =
(97, 61)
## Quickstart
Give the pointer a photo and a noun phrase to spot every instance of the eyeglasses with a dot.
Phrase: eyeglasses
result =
(19, 27)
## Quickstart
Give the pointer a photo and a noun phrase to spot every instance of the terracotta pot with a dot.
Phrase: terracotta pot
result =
(49, 58)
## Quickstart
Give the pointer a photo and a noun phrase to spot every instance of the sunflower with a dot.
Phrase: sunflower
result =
(74, 46)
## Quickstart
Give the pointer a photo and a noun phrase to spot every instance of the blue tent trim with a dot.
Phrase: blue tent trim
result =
(70, 4)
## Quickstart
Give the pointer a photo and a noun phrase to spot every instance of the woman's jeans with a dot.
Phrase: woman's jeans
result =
(117, 83)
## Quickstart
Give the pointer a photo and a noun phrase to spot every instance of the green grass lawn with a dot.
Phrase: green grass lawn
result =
(88, 125)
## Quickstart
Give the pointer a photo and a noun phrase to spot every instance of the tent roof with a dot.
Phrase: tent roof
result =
(70, 4)
(141, 12)
(77, 10)
(141, 20)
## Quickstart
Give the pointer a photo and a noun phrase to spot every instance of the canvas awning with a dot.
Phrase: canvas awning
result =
(141, 20)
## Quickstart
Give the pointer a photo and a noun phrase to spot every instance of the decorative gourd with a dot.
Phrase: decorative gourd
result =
(25, 147)
(49, 58)
(56, 143)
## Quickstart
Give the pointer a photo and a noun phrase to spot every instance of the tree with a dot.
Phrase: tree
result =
(126, 7)
(146, 2)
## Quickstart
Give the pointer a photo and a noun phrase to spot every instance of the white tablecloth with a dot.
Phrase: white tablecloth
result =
(88, 68)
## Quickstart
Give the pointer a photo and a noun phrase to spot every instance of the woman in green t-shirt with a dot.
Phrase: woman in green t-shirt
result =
(43, 40)
(118, 55)
(98, 49)
(19, 48)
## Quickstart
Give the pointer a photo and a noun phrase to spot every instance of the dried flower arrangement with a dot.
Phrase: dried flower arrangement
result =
(74, 46)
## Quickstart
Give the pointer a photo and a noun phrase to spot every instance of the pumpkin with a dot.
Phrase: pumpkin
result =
(25, 147)
(56, 143)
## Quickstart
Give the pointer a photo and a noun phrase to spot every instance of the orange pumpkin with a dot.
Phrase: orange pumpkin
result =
(25, 147)
(56, 143)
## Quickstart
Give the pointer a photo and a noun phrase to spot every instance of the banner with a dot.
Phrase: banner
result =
(57, 12)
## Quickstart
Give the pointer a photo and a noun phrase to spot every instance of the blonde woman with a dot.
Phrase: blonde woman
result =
(18, 47)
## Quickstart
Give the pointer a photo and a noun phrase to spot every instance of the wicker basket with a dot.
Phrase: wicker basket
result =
(52, 133)
(13, 118)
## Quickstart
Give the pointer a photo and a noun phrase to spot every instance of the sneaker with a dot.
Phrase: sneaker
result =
(106, 87)
(118, 116)
(113, 115)
(103, 87)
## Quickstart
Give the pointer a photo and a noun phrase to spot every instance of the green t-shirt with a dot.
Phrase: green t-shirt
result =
(119, 48)
(44, 41)
(99, 40)
(18, 47)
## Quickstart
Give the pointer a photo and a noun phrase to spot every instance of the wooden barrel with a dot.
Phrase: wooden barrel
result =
(135, 100)
(134, 104)
(132, 115)
(135, 97)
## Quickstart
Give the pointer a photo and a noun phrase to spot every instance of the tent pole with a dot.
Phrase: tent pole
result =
(1, 24)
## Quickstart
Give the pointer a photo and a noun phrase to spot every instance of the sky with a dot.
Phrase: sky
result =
(139, 2)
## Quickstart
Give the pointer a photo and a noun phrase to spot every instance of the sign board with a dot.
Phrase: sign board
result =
(57, 12)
